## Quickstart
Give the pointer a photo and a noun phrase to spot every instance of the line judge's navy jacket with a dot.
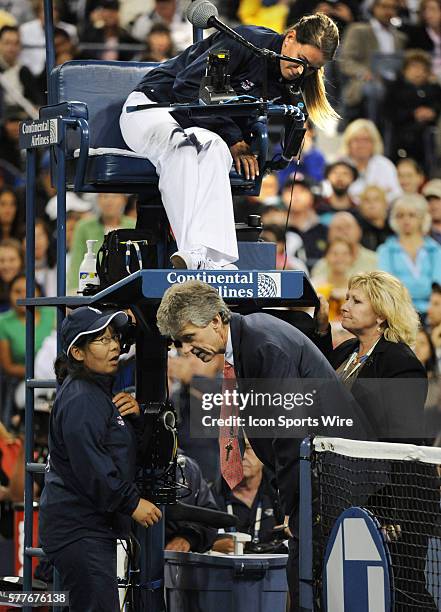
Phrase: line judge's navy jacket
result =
(178, 79)
(89, 490)
(265, 347)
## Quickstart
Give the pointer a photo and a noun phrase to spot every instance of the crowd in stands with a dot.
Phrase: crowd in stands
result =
(375, 203)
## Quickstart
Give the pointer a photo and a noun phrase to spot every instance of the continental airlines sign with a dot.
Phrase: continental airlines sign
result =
(234, 284)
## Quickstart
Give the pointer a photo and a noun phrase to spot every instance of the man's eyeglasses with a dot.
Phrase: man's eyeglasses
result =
(106, 340)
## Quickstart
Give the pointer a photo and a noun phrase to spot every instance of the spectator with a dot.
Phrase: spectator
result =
(108, 33)
(189, 377)
(427, 34)
(111, 207)
(21, 10)
(166, 12)
(254, 501)
(32, 38)
(311, 163)
(65, 48)
(11, 264)
(45, 190)
(410, 175)
(269, 192)
(371, 214)
(13, 329)
(45, 260)
(277, 216)
(159, 44)
(432, 193)
(276, 234)
(433, 320)
(303, 219)
(412, 256)
(74, 203)
(9, 214)
(343, 12)
(363, 90)
(339, 257)
(7, 19)
(185, 536)
(363, 145)
(9, 148)
(271, 14)
(254, 205)
(345, 226)
(9, 451)
(412, 105)
(339, 176)
(425, 351)
(274, 215)
(17, 80)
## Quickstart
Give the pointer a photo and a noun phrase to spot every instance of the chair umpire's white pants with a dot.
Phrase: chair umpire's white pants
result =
(193, 166)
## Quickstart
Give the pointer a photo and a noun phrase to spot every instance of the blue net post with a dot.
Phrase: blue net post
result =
(305, 529)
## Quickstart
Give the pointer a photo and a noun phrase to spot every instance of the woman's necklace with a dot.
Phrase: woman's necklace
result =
(356, 360)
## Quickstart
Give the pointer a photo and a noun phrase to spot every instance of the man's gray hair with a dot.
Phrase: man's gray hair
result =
(190, 302)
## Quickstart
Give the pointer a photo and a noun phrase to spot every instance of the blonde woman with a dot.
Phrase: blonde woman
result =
(193, 156)
(363, 145)
(378, 311)
(389, 382)
(411, 255)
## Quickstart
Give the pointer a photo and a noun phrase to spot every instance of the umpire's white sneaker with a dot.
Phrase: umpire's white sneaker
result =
(197, 260)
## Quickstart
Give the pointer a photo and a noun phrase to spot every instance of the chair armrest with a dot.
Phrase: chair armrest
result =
(75, 116)
(259, 143)
(71, 109)
(259, 146)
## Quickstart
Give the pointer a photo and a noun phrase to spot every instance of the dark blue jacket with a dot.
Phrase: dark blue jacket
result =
(89, 490)
(178, 79)
(265, 347)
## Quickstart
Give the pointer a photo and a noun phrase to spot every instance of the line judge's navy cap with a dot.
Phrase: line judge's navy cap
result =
(88, 320)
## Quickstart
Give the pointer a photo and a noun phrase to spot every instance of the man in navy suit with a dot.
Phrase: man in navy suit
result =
(258, 346)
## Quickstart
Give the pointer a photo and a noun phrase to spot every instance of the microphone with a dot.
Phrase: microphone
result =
(203, 14)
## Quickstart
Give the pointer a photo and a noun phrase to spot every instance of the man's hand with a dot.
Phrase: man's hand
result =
(126, 404)
(424, 114)
(178, 544)
(243, 158)
(146, 513)
(180, 368)
(224, 545)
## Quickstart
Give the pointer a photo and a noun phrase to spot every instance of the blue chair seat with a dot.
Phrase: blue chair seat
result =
(116, 168)
(96, 91)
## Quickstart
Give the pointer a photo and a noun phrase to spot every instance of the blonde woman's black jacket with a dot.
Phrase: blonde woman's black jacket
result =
(391, 387)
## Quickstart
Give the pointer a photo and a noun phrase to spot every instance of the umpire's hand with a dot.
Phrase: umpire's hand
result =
(244, 160)
(146, 513)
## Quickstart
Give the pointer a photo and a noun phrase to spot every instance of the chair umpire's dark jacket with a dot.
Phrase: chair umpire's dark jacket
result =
(89, 490)
(178, 79)
(266, 347)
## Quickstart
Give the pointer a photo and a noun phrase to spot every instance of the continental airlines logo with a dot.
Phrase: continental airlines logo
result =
(236, 284)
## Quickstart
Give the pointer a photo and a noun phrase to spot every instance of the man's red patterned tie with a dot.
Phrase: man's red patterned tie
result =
(230, 457)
